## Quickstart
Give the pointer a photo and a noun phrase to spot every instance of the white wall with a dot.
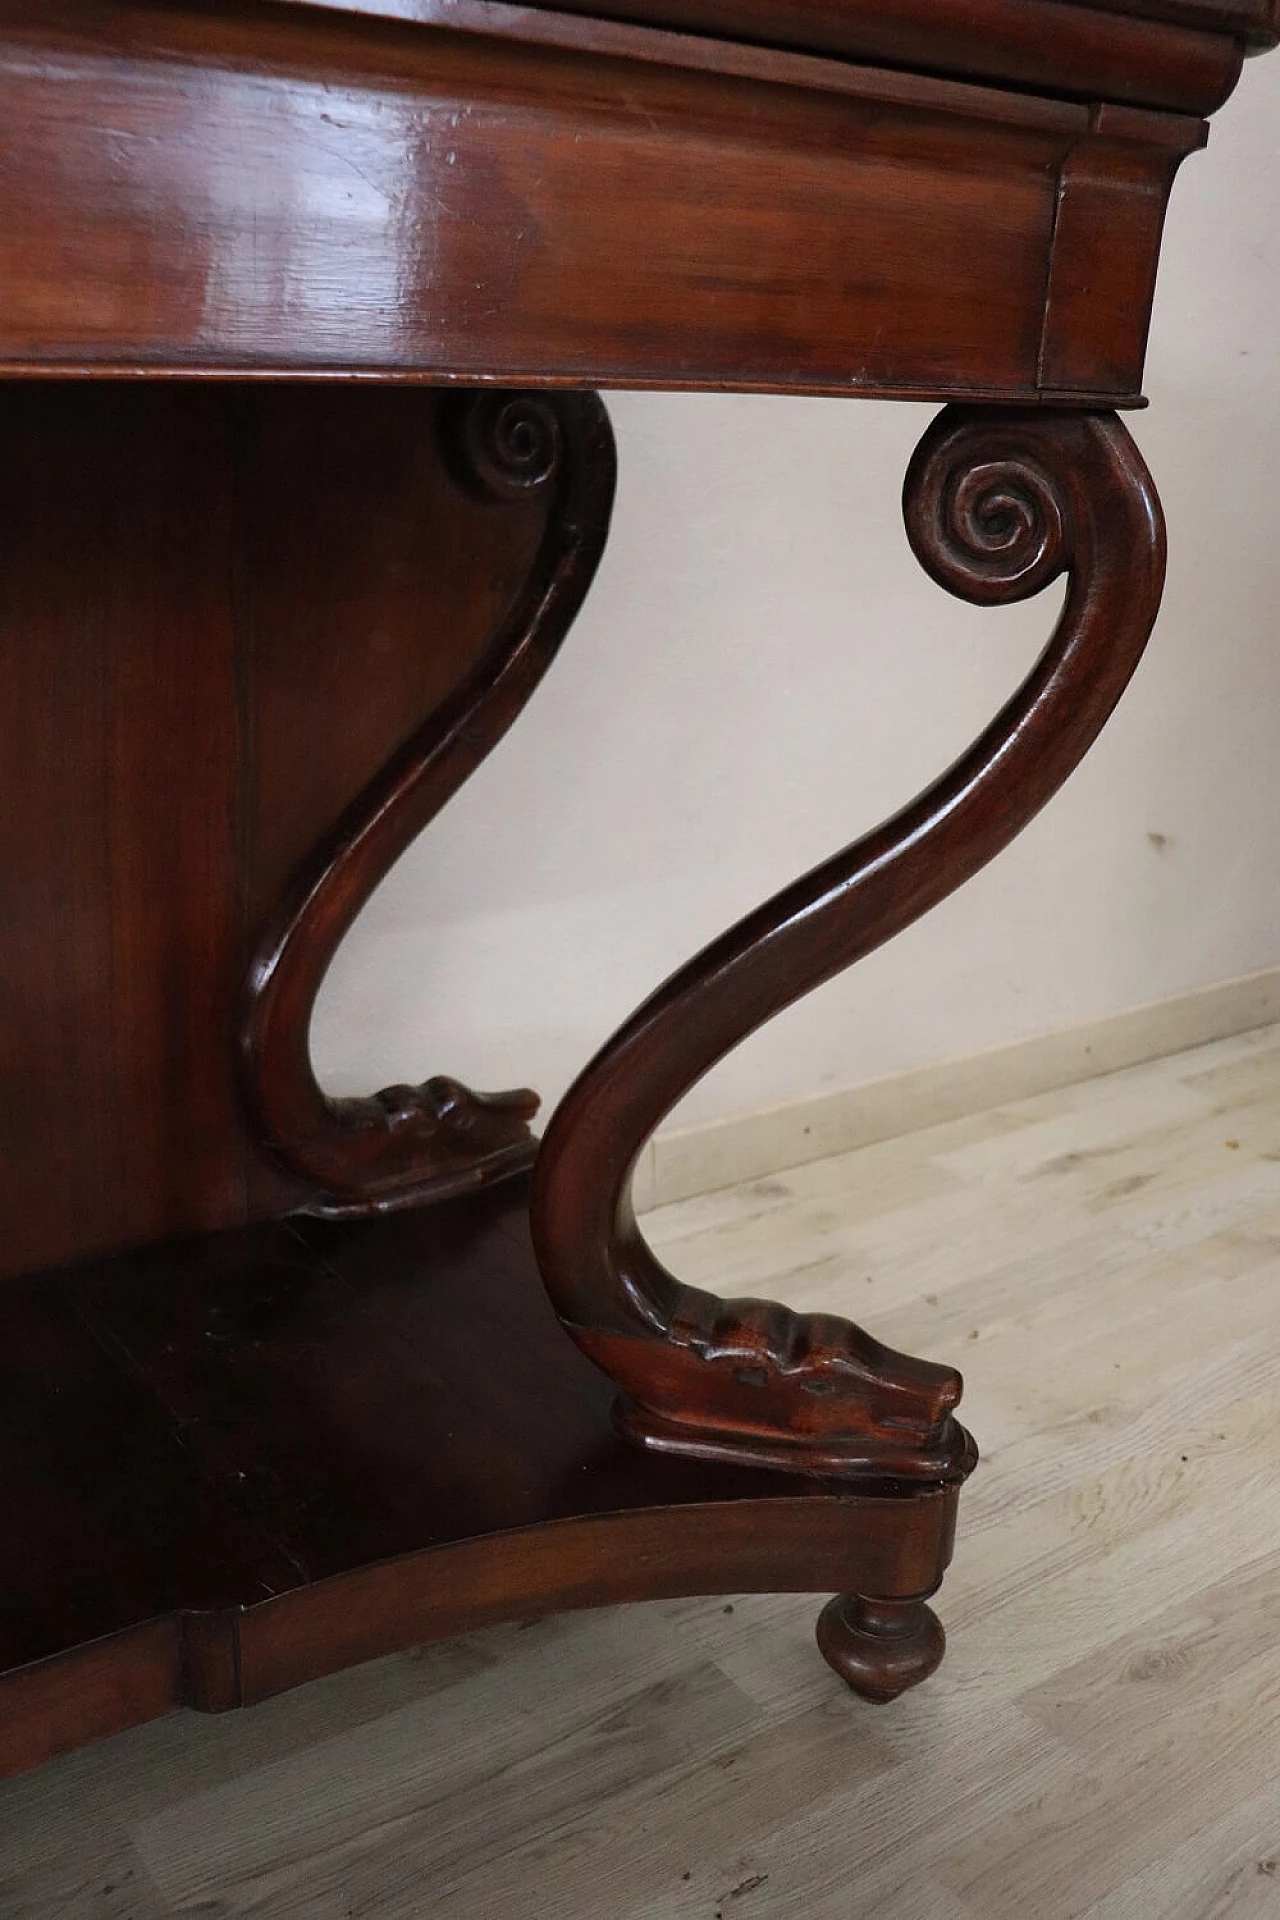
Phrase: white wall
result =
(762, 672)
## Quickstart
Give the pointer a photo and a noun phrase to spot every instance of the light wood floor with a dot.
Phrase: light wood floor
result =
(1104, 1738)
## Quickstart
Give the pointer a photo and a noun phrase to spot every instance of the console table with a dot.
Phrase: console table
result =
(303, 484)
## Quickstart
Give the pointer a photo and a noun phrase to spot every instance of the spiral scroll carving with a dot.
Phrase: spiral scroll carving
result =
(510, 444)
(997, 504)
(409, 1144)
(991, 530)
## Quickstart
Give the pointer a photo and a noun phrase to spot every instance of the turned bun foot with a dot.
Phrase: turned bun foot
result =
(880, 1647)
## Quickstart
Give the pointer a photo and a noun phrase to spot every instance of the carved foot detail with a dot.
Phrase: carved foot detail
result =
(751, 1382)
(880, 1647)
(465, 1139)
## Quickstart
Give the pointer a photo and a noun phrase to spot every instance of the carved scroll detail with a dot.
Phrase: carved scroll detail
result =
(997, 504)
(409, 1144)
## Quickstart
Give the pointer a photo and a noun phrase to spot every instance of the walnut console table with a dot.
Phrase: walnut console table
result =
(303, 484)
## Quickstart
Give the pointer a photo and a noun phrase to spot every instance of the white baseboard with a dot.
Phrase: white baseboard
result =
(693, 1160)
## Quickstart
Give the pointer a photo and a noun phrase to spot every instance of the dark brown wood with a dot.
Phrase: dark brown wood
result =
(1098, 301)
(270, 591)
(117, 1110)
(410, 1144)
(245, 1461)
(880, 1647)
(997, 506)
(251, 641)
(543, 207)
(1159, 53)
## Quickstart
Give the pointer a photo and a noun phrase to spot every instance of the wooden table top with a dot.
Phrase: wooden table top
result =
(809, 22)
(1172, 53)
(918, 199)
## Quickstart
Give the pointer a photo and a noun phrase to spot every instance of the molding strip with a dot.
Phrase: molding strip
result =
(746, 1146)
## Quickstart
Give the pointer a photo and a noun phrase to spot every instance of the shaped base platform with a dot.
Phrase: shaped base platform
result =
(239, 1462)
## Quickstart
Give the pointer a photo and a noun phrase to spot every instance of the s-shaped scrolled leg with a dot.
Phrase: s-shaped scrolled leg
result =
(998, 504)
(406, 1145)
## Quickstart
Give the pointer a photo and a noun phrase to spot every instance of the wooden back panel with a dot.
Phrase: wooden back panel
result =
(221, 610)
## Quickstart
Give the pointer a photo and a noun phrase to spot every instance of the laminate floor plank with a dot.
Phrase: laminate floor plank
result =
(1227, 1870)
(106, 1881)
(1104, 1738)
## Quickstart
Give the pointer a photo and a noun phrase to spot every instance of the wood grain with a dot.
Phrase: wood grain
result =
(239, 1462)
(586, 1764)
(997, 506)
(450, 205)
(411, 1144)
(1089, 48)
(198, 583)
(243, 1462)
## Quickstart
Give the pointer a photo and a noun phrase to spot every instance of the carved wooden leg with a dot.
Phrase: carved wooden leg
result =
(997, 504)
(409, 1144)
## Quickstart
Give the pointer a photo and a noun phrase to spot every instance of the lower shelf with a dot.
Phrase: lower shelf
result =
(237, 1463)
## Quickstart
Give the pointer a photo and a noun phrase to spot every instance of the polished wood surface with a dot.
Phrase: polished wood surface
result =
(251, 642)
(237, 1463)
(410, 1144)
(1100, 1741)
(1163, 53)
(270, 595)
(997, 507)
(272, 188)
